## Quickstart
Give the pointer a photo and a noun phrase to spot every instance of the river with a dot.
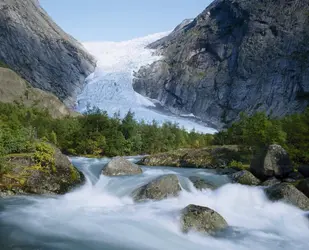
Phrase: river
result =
(101, 215)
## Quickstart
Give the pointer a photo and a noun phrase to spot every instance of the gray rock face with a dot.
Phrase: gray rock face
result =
(274, 161)
(303, 186)
(202, 219)
(235, 56)
(244, 177)
(120, 166)
(289, 194)
(200, 183)
(158, 189)
(41, 52)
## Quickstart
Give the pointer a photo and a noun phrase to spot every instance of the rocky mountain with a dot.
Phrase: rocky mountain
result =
(14, 89)
(38, 50)
(236, 56)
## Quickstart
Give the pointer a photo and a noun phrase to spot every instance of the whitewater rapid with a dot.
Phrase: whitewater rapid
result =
(102, 215)
(110, 86)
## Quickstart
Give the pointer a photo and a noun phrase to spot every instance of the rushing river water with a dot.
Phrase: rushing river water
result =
(101, 215)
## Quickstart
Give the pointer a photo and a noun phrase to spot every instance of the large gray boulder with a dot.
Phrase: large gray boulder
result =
(202, 219)
(200, 183)
(244, 177)
(40, 51)
(234, 57)
(273, 161)
(289, 194)
(120, 166)
(303, 186)
(158, 189)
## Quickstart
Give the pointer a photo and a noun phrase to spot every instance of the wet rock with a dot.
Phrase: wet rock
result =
(120, 166)
(289, 194)
(303, 186)
(245, 178)
(202, 219)
(158, 189)
(273, 161)
(200, 183)
(304, 170)
(271, 182)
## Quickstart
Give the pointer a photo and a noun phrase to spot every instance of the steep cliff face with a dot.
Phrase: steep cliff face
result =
(237, 55)
(38, 50)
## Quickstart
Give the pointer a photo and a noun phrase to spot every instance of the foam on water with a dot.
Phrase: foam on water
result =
(110, 86)
(103, 216)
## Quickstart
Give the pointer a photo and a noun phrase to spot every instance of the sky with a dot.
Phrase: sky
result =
(120, 20)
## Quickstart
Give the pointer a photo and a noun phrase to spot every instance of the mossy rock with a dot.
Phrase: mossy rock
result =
(202, 219)
(244, 177)
(43, 172)
(200, 184)
(158, 189)
(210, 157)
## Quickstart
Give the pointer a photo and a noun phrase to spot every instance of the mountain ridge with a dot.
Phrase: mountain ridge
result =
(236, 56)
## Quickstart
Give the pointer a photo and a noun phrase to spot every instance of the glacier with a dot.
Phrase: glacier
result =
(110, 86)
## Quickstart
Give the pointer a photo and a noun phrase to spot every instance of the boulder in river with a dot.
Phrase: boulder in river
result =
(202, 219)
(158, 189)
(119, 166)
(273, 161)
(303, 186)
(271, 182)
(46, 171)
(304, 170)
(289, 194)
(200, 184)
(244, 177)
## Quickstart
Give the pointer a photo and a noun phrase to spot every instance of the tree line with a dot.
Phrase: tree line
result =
(93, 133)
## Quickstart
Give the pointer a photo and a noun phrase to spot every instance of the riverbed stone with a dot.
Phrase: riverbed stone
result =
(120, 166)
(289, 194)
(158, 189)
(244, 177)
(272, 161)
(271, 182)
(201, 219)
(200, 184)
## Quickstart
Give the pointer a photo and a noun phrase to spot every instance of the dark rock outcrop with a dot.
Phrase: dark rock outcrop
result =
(304, 170)
(244, 177)
(158, 189)
(303, 186)
(273, 161)
(236, 56)
(200, 183)
(289, 194)
(120, 166)
(26, 176)
(41, 52)
(202, 219)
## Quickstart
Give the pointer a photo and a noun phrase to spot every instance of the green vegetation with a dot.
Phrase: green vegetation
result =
(3, 65)
(257, 131)
(94, 134)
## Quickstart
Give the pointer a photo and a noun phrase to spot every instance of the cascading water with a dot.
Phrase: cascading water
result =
(102, 215)
(110, 86)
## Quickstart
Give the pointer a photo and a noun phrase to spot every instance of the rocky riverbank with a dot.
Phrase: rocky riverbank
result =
(270, 168)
